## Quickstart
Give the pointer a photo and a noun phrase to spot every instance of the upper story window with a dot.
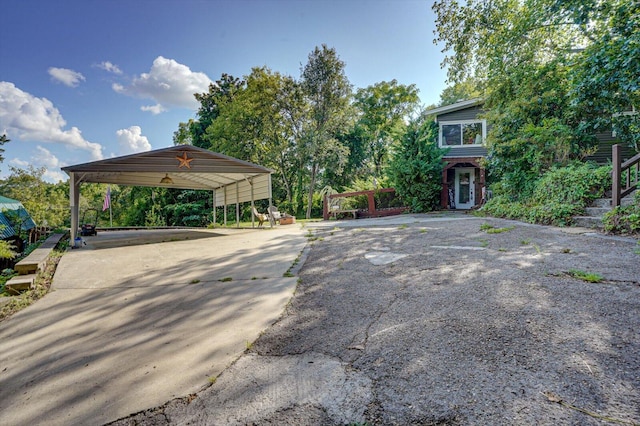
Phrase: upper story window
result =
(461, 133)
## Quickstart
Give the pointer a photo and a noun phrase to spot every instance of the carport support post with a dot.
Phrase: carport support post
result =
(271, 220)
(225, 206)
(74, 202)
(237, 205)
(214, 208)
(253, 204)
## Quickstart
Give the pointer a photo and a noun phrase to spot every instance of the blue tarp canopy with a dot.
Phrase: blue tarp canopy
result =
(10, 207)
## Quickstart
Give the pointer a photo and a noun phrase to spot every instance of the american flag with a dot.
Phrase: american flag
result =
(107, 199)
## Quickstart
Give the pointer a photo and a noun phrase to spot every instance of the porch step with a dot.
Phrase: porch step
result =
(594, 214)
(606, 202)
(597, 211)
(588, 222)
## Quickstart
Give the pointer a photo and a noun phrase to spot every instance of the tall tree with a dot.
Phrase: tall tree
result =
(606, 74)
(461, 91)
(3, 140)
(263, 125)
(383, 109)
(328, 91)
(220, 93)
(415, 169)
(555, 72)
(46, 203)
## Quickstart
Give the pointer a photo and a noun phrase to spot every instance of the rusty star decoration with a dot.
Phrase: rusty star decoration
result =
(184, 161)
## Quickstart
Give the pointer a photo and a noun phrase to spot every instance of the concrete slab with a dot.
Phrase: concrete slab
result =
(137, 318)
(20, 283)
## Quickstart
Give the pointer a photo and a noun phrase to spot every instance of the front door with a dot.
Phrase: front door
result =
(465, 185)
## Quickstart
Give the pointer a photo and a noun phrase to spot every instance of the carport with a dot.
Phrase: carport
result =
(232, 181)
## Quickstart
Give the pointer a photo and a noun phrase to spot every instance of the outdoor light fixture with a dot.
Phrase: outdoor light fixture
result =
(166, 179)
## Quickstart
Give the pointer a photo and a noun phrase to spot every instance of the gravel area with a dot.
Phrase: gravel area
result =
(438, 321)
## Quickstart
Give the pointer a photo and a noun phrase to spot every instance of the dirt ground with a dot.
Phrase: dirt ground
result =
(439, 321)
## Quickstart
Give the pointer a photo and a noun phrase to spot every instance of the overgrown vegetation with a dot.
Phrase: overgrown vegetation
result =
(554, 198)
(553, 74)
(41, 286)
(416, 168)
(624, 219)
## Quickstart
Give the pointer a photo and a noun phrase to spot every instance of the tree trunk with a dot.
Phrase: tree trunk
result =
(312, 184)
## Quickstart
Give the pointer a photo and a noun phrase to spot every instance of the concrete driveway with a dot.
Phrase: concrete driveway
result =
(136, 318)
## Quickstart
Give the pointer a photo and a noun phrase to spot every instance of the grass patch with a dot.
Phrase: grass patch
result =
(403, 226)
(590, 277)
(423, 230)
(483, 242)
(225, 279)
(195, 281)
(490, 229)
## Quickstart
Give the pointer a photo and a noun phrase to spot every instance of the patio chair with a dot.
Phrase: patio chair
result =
(274, 214)
(261, 217)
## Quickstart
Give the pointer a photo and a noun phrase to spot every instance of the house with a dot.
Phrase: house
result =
(464, 132)
(14, 218)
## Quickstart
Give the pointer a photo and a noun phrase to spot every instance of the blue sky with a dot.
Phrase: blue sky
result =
(87, 80)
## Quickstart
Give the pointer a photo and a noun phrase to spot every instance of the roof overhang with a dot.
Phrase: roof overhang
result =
(187, 167)
(455, 107)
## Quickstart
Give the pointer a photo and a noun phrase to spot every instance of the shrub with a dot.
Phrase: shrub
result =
(624, 219)
(559, 194)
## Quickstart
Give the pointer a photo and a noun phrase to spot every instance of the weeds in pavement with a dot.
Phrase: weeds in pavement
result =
(590, 277)
(490, 229)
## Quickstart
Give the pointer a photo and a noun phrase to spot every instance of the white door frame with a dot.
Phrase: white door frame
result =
(472, 181)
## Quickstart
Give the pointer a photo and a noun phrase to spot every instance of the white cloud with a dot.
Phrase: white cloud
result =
(52, 164)
(131, 141)
(153, 109)
(66, 76)
(36, 119)
(169, 84)
(109, 67)
(20, 163)
(43, 158)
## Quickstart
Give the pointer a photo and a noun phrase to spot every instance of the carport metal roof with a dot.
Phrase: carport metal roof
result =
(186, 166)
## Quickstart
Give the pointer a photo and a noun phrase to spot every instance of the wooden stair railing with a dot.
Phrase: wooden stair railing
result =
(620, 189)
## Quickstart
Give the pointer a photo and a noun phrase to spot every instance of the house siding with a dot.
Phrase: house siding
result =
(466, 151)
(464, 114)
(605, 144)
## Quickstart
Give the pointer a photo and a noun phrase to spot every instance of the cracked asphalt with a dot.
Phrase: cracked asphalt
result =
(431, 320)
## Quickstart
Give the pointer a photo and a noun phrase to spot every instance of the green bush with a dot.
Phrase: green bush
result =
(577, 183)
(624, 219)
(557, 196)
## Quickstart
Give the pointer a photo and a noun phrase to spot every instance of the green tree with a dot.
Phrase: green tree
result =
(461, 91)
(3, 140)
(531, 57)
(415, 169)
(383, 107)
(605, 75)
(262, 125)
(219, 93)
(328, 93)
(46, 203)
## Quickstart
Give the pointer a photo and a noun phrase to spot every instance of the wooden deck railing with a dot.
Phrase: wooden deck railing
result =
(629, 170)
(370, 211)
